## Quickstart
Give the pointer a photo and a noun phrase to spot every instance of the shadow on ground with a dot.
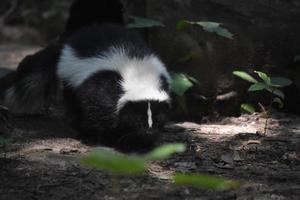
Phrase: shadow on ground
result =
(42, 163)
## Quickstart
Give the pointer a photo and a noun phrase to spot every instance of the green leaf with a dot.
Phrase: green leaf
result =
(278, 93)
(165, 151)
(247, 108)
(257, 87)
(278, 101)
(212, 27)
(264, 77)
(244, 76)
(114, 162)
(180, 83)
(205, 181)
(140, 22)
(280, 82)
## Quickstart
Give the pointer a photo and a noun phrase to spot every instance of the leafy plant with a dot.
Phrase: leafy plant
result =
(140, 22)
(267, 83)
(212, 27)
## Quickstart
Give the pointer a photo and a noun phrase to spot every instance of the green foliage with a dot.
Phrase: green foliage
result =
(204, 181)
(165, 151)
(245, 76)
(268, 83)
(114, 162)
(181, 83)
(280, 82)
(257, 87)
(212, 27)
(247, 108)
(128, 164)
(118, 163)
(140, 22)
(264, 77)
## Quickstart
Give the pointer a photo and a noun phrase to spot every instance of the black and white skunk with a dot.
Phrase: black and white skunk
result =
(116, 87)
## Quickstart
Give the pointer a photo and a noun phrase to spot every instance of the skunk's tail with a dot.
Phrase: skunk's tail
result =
(86, 12)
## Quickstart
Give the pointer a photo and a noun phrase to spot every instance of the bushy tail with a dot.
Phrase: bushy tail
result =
(34, 85)
(86, 12)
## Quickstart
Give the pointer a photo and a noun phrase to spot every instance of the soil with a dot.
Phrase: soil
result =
(42, 161)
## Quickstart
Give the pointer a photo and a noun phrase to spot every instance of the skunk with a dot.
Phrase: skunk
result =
(115, 87)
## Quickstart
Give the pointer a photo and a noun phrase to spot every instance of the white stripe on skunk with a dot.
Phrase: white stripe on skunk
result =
(140, 76)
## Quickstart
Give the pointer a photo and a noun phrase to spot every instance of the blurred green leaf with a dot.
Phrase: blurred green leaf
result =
(245, 76)
(140, 22)
(280, 81)
(212, 27)
(205, 181)
(165, 151)
(257, 87)
(247, 108)
(264, 77)
(114, 162)
(180, 83)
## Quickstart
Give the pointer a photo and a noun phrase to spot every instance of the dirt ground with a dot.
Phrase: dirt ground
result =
(42, 162)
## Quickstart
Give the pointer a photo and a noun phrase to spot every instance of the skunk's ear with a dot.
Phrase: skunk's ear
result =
(35, 83)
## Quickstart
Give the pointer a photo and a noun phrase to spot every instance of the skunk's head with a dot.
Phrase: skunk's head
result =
(143, 119)
(145, 103)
